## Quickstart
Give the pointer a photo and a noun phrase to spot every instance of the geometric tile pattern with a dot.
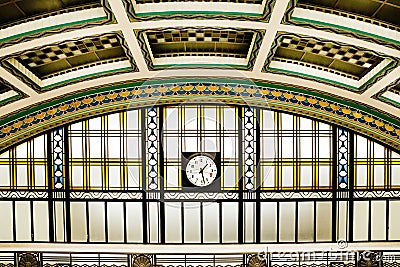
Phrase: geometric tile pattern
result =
(343, 53)
(196, 42)
(53, 59)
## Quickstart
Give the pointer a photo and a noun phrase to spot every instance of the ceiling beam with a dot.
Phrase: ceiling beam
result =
(14, 81)
(382, 83)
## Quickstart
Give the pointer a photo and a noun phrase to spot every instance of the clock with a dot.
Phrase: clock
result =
(200, 170)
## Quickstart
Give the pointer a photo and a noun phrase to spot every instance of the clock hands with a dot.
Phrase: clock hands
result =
(202, 172)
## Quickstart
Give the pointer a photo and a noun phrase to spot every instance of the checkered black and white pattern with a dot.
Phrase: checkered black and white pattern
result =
(344, 53)
(49, 54)
(196, 35)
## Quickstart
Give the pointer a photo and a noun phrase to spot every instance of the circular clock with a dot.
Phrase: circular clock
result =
(201, 170)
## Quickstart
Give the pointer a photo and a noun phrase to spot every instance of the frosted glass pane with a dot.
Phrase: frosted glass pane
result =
(249, 221)
(192, 223)
(95, 147)
(361, 220)
(229, 119)
(41, 221)
(268, 222)
(190, 118)
(59, 222)
(287, 122)
(171, 119)
(306, 178)
(95, 124)
(114, 176)
(306, 221)
(132, 120)
(76, 147)
(342, 220)
(395, 169)
(324, 221)
(287, 222)
(324, 147)
(153, 222)
(268, 147)
(76, 126)
(172, 176)
(379, 151)
(361, 144)
(114, 147)
(306, 147)
(210, 144)
(211, 222)
(324, 175)
(229, 176)
(6, 213)
(133, 176)
(21, 151)
(40, 175)
(268, 176)
(173, 232)
(4, 175)
(172, 147)
(133, 147)
(287, 176)
(115, 216)
(229, 148)
(22, 175)
(394, 219)
(210, 119)
(113, 121)
(230, 222)
(379, 175)
(287, 147)
(378, 220)
(361, 175)
(268, 120)
(95, 176)
(23, 220)
(305, 124)
(134, 222)
(78, 222)
(190, 144)
(39, 147)
(77, 176)
(97, 222)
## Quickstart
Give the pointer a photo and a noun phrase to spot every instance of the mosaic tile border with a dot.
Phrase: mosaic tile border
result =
(25, 124)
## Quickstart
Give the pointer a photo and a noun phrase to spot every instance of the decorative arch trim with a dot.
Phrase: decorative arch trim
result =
(27, 123)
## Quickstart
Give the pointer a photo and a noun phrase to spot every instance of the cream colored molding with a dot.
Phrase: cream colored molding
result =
(382, 83)
(17, 83)
(126, 27)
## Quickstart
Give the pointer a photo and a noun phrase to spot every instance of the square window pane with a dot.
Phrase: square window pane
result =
(287, 176)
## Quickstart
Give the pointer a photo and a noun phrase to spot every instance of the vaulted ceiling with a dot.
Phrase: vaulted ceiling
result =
(339, 50)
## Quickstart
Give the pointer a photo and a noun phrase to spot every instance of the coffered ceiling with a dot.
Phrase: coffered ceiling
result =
(338, 48)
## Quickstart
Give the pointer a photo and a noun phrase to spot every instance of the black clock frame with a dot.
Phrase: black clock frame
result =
(189, 186)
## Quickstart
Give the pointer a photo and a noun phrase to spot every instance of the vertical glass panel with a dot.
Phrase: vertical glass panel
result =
(22, 175)
(190, 118)
(229, 119)
(95, 124)
(210, 119)
(40, 175)
(5, 175)
(229, 148)
(342, 220)
(287, 213)
(114, 122)
(41, 221)
(268, 223)
(190, 144)
(132, 120)
(210, 144)
(77, 176)
(173, 230)
(379, 151)
(172, 147)
(59, 221)
(268, 147)
(394, 219)
(361, 178)
(76, 146)
(324, 221)
(286, 122)
(114, 177)
(95, 147)
(6, 213)
(153, 222)
(95, 177)
(39, 147)
(97, 222)
(192, 222)
(76, 126)
(172, 176)
(78, 222)
(395, 171)
(268, 119)
(379, 175)
(249, 221)
(115, 221)
(134, 147)
(287, 176)
(21, 151)
(306, 147)
(324, 176)
(133, 176)
(324, 147)
(134, 222)
(23, 220)
(305, 124)
(361, 214)
(306, 221)
(229, 176)
(362, 146)
(114, 147)
(268, 176)
(229, 222)
(287, 147)
(306, 176)
(171, 119)
(211, 222)
(378, 220)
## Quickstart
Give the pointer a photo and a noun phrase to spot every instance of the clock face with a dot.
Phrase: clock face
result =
(201, 170)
